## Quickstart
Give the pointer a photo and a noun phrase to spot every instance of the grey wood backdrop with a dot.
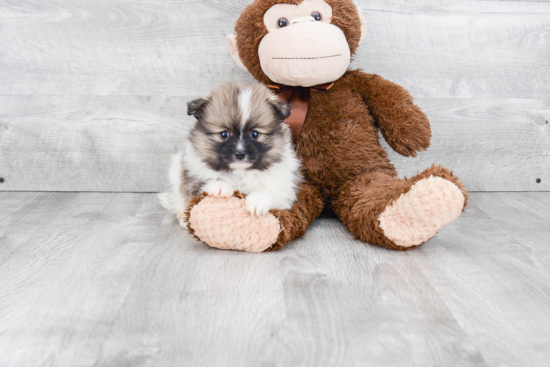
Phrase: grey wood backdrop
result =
(92, 93)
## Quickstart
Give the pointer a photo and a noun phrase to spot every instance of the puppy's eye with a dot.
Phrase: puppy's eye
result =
(317, 16)
(282, 22)
(254, 135)
(224, 135)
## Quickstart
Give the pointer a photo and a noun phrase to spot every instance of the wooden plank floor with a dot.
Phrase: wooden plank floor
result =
(92, 279)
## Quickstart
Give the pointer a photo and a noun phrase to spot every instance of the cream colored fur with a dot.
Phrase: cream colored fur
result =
(274, 188)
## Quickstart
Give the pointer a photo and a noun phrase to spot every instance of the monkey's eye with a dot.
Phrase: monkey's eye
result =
(317, 16)
(224, 135)
(254, 135)
(282, 22)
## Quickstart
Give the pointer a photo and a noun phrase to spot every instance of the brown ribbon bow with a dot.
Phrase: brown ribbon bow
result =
(298, 97)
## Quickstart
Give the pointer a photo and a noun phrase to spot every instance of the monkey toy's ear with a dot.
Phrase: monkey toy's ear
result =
(363, 24)
(232, 41)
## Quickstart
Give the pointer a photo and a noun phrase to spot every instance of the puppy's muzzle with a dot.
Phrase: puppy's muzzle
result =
(240, 155)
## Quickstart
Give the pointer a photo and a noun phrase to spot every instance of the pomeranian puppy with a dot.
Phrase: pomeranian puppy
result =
(239, 142)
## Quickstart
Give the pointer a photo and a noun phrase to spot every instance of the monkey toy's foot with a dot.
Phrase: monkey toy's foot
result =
(225, 223)
(417, 215)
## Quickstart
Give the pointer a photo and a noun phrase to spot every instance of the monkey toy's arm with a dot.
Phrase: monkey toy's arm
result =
(404, 126)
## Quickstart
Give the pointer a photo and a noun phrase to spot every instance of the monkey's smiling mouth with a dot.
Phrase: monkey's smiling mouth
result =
(305, 58)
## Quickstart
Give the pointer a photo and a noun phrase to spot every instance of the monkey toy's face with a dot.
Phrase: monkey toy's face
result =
(298, 43)
(302, 48)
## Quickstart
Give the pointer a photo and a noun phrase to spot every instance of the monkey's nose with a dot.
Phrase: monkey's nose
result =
(240, 154)
(309, 18)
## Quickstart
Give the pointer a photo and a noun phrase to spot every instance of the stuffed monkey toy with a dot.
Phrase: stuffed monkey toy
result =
(302, 49)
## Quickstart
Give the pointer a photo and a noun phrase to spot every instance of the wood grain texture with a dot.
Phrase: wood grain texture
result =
(451, 49)
(89, 143)
(111, 280)
(124, 143)
(508, 275)
(492, 145)
(92, 94)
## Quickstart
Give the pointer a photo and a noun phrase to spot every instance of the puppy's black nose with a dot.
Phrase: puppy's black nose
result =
(240, 154)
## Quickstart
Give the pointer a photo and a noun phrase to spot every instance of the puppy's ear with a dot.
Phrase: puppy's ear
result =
(196, 106)
(281, 108)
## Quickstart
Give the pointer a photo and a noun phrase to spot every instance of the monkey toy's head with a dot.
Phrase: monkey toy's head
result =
(297, 42)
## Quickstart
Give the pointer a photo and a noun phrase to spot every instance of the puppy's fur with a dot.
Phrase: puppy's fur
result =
(238, 142)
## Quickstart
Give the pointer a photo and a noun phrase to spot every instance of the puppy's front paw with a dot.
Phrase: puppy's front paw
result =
(219, 189)
(258, 203)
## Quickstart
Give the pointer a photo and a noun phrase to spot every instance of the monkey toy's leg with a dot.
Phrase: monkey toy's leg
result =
(400, 213)
(224, 222)
(295, 221)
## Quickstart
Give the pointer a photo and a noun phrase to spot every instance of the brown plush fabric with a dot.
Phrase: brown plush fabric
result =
(344, 165)
(295, 221)
(361, 200)
(344, 161)
(389, 102)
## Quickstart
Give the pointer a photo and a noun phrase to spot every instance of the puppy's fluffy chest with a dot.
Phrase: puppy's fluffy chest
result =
(247, 181)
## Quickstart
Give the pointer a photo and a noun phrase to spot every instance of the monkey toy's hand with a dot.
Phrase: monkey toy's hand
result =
(404, 126)
(225, 223)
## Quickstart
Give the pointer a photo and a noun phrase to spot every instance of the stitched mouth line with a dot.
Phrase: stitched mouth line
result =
(304, 58)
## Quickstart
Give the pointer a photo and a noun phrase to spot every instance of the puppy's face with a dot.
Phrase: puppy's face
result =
(239, 126)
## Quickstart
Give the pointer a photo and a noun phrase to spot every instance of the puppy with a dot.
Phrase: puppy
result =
(238, 142)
